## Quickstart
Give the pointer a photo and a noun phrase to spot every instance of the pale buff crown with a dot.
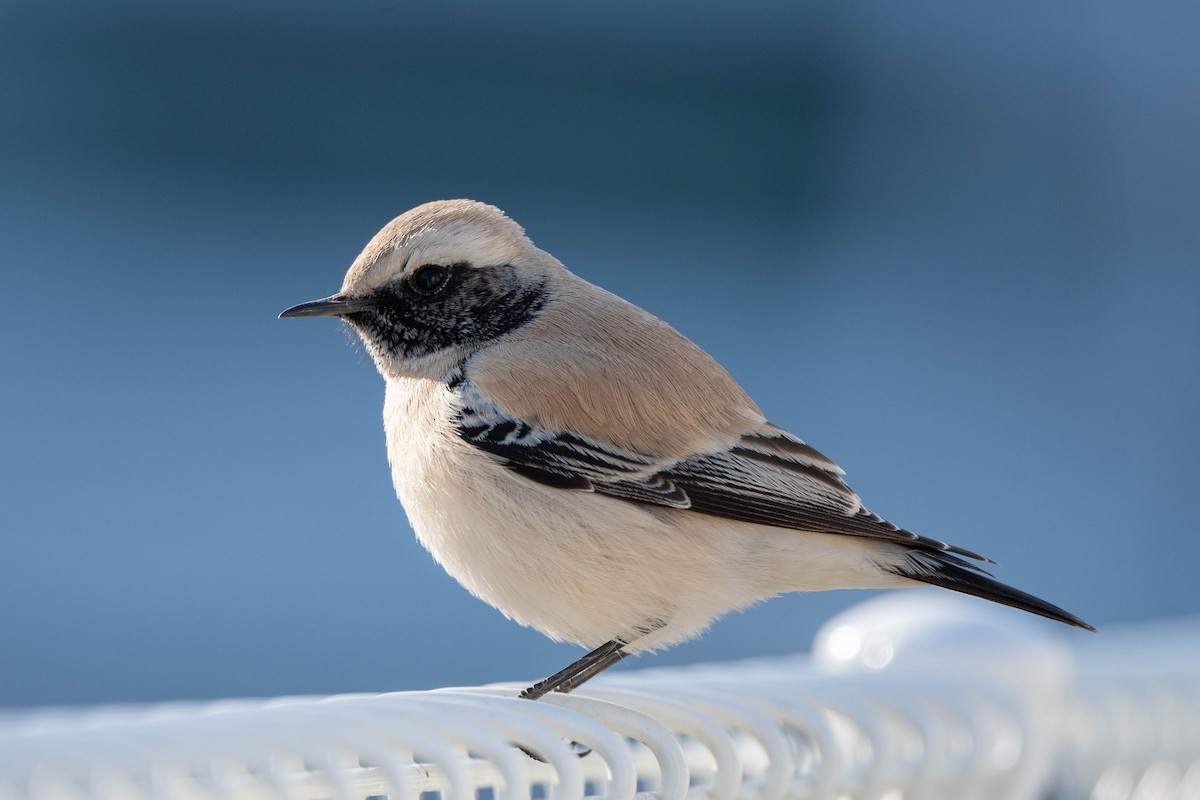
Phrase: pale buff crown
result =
(440, 232)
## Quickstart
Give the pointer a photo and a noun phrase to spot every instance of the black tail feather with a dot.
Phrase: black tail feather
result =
(968, 580)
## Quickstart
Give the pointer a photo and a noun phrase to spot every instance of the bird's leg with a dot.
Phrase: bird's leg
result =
(585, 676)
(579, 671)
(575, 675)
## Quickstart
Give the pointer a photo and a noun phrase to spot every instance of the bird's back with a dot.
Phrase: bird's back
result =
(601, 367)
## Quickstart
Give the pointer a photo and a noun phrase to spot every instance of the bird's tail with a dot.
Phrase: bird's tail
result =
(950, 572)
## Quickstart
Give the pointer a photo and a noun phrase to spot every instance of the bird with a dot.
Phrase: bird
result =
(580, 465)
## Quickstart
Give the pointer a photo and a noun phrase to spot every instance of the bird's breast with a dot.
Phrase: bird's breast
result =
(577, 566)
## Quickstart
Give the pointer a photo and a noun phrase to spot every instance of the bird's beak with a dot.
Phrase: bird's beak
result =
(334, 306)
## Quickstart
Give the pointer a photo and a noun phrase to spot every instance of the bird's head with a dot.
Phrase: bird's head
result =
(437, 283)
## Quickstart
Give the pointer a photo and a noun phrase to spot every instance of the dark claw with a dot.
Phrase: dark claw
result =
(581, 750)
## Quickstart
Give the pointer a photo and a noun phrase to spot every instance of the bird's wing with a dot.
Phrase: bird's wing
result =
(767, 477)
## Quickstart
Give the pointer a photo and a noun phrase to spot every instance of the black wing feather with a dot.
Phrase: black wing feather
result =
(768, 477)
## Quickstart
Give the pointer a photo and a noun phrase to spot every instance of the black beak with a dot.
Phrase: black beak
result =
(334, 306)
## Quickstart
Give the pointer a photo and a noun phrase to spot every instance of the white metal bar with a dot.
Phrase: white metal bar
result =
(903, 697)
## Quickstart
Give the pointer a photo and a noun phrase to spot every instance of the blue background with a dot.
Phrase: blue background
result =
(955, 246)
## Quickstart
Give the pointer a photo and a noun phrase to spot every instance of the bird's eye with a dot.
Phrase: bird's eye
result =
(429, 279)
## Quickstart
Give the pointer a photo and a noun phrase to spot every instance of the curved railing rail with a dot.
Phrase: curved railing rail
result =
(907, 696)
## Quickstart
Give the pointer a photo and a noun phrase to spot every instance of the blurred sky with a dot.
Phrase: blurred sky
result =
(954, 246)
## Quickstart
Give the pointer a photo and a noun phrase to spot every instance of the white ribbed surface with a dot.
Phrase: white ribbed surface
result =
(907, 696)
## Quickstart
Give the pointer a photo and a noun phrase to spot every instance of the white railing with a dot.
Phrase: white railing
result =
(906, 696)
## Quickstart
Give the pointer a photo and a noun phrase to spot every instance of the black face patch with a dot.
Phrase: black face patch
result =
(475, 305)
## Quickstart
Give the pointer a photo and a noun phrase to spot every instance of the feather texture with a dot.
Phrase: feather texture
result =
(768, 476)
